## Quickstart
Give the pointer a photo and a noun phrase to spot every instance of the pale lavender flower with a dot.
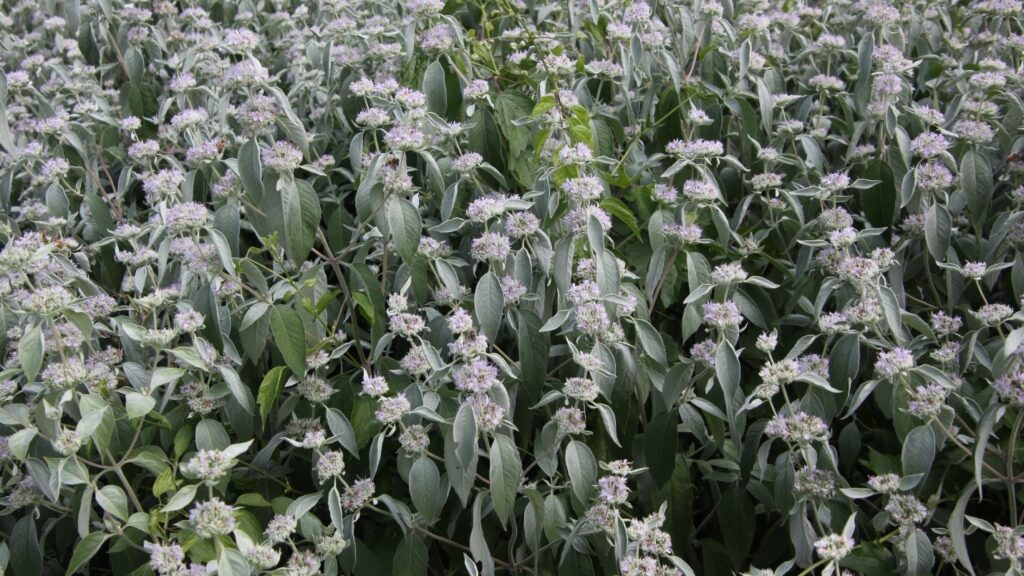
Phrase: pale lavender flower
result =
(895, 362)
(584, 188)
(166, 560)
(391, 409)
(358, 494)
(404, 138)
(1010, 387)
(993, 314)
(212, 518)
(583, 389)
(374, 386)
(283, 156)
(613, 490)
(800, 427)
(476, 90)
(906, 510)
(705, 352)
(487, 412)
(330, 465)
(477, 376)
(578, 218)
(486, 208)
(834, 546)
(722, 314)
(414, 440)
(521, 224)
(926, 401)
(929, 144)
(467, 162)
(570, 420)
(681, 234)
(490, 246)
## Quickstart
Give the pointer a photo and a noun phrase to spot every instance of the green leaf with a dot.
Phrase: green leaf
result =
(434, 87)
(505, 471)
(270, 389)
(581, 465)
(250, 170)
(862, 91)
(511, 107)
(976, 182)
(341, 428)
(992, 415)
(95, 410)
(405, 226)
(727, 372)
(87, 548)
(289, 122)
(651, 342)
(165, 375)
(489, 305)
(138, 405)
(621, 211)
(303, 504)
(764, 101)
(5, 130)
(738, 536)
(211, 435)
(678, 497)
(891, 309)
(113, 499)
(938, 231)
(290, 337)
(478, 545)
(26, 554)
(920, 555)
(879, 203)
(608, 419)
(464, 433)
(462, 477)
(425, 488)
(660, 442)
(534, 350)
(956, 527)
(30, 352)
(411, 556)
(918, 451)
(181, 498)
(239, 391)
(301, 209)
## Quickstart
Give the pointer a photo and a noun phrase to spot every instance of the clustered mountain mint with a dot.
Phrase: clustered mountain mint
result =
(663, 288)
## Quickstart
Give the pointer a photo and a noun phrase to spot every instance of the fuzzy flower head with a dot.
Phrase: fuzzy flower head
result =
(209, 465)
(722, 315)
(834, 546)
(487, 412)
(280, 528)
(895, 362)
(283, 156)
(612, 490)
(477, 376)
(800, 427)
(491, 246)
(330, 465)
(391, 409)
(212, 518)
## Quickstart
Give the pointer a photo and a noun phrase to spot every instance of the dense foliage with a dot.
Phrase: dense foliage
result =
(511, 286)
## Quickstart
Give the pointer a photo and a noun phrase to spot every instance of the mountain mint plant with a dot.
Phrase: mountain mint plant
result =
(638, 287)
